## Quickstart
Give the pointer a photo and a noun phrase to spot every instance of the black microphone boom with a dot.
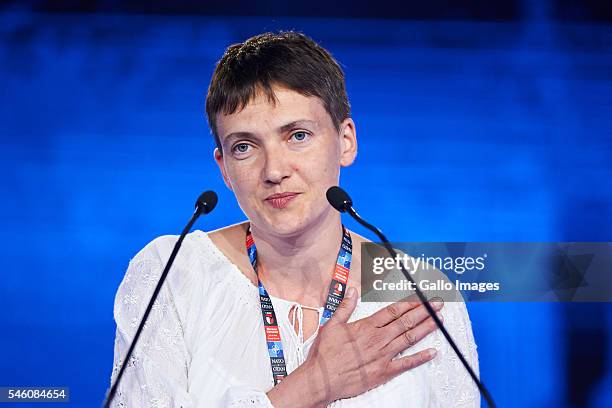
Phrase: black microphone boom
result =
(205, 203)
(340, 200)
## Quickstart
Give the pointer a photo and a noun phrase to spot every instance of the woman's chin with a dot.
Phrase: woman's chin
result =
(285, 224)
(287, 230)
(291, 221)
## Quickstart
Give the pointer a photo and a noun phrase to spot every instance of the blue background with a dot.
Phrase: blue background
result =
(468, 131)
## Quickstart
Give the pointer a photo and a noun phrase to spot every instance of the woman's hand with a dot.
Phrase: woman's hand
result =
(348, 359)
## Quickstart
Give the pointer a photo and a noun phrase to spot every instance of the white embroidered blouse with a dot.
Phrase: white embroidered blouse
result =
(204, 345)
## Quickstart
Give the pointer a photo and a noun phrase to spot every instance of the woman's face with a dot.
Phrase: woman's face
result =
(280, 159)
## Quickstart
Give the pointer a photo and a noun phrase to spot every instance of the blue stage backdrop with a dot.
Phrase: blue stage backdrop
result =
(468, 131)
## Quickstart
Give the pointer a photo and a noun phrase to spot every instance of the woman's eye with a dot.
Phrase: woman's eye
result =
(300, 136)
(241, 148)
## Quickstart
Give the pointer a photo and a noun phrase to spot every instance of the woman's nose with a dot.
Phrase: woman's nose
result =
(277, 166)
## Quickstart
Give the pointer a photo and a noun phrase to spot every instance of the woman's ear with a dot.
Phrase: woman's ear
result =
(348, 142)
(219, 159)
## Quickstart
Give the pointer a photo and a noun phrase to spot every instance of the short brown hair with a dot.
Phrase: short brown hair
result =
(289, 59)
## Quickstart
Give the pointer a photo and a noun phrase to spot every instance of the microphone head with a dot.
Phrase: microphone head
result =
(339, 199)
(206, 202)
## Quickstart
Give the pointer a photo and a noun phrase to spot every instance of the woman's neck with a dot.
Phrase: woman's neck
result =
(300, 267)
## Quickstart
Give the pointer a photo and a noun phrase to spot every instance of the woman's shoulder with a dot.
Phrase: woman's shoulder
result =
(230, 238)
(230, 243)
(198, 242)
(146, 266)
(199, 250)
(201, 265)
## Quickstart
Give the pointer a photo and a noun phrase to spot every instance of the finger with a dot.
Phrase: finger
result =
(410, 320)
(346, 307)
(388, 314)
(411, 337)
(406, 363)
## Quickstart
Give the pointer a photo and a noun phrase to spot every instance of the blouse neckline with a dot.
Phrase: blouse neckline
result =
(236, 270)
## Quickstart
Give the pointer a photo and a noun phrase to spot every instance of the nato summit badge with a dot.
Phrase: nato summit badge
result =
(274, 349)
(345, 259)
(325, 316)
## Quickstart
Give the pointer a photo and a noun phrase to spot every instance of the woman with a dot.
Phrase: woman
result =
(247, 316)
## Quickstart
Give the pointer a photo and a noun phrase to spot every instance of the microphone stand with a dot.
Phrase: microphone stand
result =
(205, 204)
(485, 393)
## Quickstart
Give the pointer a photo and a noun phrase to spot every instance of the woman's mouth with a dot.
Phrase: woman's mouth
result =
(280, 200)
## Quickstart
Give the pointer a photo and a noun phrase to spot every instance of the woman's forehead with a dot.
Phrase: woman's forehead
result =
(262, 114)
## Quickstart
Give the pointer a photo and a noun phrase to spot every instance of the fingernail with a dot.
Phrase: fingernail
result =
(440, 316)
(350, 293)
(432, 353)
(437, 304)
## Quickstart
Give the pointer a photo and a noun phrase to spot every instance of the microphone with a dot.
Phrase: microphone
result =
(340, 200)
(205, 203)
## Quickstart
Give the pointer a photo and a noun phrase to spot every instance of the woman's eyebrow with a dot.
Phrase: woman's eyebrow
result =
(297, 123)
(238, 135)
(284, 128)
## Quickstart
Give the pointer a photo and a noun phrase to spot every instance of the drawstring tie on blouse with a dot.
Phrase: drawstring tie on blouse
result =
(298, 311)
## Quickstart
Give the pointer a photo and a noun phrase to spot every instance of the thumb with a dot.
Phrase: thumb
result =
(347, 305)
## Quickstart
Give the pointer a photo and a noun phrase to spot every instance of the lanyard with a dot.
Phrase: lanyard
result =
(335, 295)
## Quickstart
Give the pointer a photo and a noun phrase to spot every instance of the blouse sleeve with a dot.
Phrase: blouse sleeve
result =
(451, 384)
(156, 375)
(243, 396)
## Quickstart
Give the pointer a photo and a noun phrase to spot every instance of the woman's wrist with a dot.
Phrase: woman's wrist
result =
(300, 389)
